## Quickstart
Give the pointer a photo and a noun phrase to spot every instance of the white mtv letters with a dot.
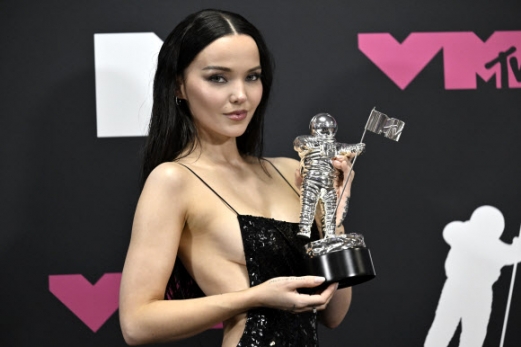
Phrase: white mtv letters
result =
(125, 64)
(472, 266)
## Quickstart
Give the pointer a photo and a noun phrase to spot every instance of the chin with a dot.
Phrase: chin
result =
(238, 132)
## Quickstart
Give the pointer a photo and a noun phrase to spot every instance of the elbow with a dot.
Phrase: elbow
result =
(335, 313)
(137, 331)
(131, 332)
(332, 323)
(130, 341)
(129, 336)
(332, 326)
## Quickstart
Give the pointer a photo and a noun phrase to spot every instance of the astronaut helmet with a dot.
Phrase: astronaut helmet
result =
(323, 125)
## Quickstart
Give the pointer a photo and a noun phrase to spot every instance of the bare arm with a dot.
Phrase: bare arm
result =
(158, 224)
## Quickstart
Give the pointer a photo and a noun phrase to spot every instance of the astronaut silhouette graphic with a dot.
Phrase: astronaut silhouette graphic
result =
(472, 266)
(316, 152)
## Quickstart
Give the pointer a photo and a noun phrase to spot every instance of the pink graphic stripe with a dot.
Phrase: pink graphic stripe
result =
(92, 304)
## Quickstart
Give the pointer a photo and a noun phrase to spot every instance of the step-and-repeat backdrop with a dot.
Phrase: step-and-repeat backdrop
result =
(440, 209)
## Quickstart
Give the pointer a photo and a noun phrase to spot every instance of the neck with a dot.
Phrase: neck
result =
(222, 153)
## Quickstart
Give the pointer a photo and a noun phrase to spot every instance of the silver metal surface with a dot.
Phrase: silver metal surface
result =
(316, 152)
(380, 123)
(334, 244)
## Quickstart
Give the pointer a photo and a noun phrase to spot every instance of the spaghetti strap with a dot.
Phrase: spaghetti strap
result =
(281, 175)
(206, 184)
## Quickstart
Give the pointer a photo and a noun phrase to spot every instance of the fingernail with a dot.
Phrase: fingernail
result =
(319, 279)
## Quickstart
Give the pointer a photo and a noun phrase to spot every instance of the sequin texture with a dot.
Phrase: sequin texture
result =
(272, 249)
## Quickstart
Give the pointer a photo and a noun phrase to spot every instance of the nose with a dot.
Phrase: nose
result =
(238, 94)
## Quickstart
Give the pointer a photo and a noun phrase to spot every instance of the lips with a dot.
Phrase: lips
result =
(237, 115)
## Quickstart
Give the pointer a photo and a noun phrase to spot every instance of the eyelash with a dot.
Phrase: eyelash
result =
(254, 77)
(221, 79)
(216, 79)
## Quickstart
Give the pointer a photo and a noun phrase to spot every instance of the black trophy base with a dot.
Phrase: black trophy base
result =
(348, 267)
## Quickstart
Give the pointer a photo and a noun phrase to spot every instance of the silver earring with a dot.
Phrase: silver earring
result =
(177, 101)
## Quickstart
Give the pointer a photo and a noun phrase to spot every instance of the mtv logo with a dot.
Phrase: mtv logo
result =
(125, 64)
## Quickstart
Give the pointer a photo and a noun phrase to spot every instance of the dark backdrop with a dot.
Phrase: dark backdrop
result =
(68, 196)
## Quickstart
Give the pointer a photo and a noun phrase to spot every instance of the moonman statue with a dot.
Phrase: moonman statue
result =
(316, 152)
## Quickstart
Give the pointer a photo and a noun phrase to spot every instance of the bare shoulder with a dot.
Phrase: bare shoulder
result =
(169, 176)
(166, 188)
(286, 166)
(161, 209)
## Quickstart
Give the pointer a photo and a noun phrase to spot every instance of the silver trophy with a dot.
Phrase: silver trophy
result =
(339, 258)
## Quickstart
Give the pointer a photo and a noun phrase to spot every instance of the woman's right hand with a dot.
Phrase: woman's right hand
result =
(282, 293)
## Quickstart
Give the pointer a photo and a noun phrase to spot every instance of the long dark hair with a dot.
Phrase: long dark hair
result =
(171, 129)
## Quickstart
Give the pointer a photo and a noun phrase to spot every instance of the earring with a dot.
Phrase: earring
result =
(177, 101)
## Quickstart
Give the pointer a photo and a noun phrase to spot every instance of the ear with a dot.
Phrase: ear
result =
(180, 92)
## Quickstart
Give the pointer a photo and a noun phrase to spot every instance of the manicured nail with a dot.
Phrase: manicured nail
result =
(319, 279)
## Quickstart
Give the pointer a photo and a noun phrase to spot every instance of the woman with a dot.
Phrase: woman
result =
(212, 209)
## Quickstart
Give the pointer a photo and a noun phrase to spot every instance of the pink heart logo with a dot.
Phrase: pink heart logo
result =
(401, 62)
(92, 304)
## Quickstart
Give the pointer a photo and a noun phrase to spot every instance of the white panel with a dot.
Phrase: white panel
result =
(125, 64)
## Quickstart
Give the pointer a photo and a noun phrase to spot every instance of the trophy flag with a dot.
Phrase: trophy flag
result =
(380, 123)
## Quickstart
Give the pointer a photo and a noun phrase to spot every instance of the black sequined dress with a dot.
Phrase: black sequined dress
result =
(271, 249)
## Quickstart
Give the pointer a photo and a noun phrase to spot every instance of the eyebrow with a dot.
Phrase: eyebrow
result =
(222, 68)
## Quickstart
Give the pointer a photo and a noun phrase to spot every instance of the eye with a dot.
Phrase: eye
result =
(253, 77)
(217, 79)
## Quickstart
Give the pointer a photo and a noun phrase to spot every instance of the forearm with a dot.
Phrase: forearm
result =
(160, 320)
(337, 308)
(170, 320)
